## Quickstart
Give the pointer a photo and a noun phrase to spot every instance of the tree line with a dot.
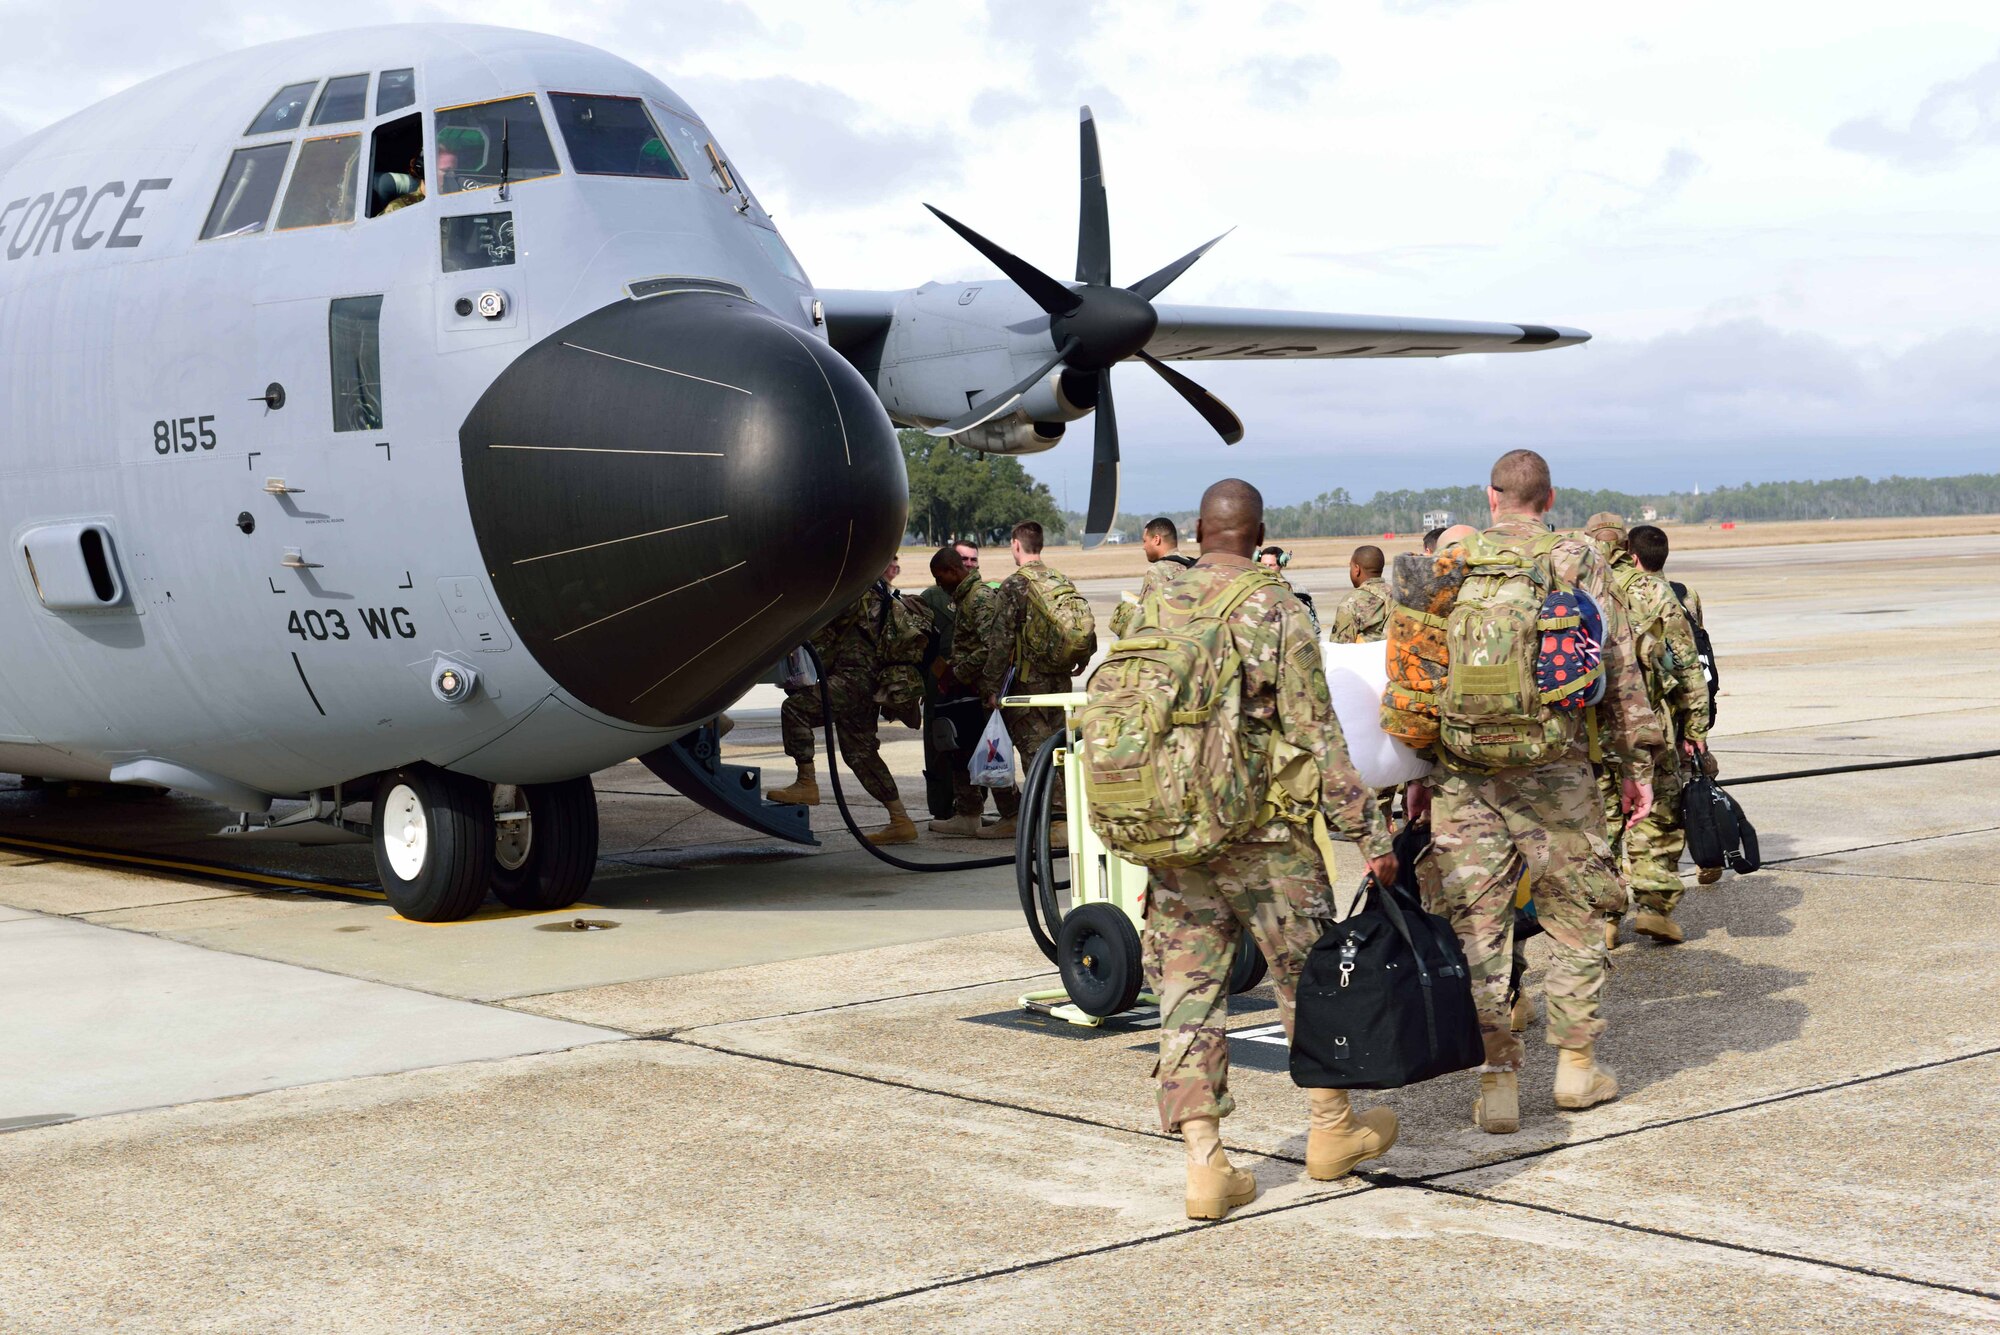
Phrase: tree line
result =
(959, 493)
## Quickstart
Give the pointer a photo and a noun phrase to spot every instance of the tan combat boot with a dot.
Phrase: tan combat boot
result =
(1580, 1081)
(1523, 1012)
(1214, 1188)
(1611, 933)
(1658, 926)
(1498, 1107)
(964, 826)
(1707, 875)
(1003, 830)
(803, 791)
(1337, 1140)
(1059, 834)
(899, 830)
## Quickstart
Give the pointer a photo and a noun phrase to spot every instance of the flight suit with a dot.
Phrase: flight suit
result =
(1273, 884)
(1489, 824)
(846, 647)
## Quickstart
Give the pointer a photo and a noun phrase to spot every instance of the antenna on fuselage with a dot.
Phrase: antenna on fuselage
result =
(505, 162)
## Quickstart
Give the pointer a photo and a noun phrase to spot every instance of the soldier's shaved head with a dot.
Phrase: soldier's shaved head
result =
(1232, 518)
(1521, 482)
(1369, 557)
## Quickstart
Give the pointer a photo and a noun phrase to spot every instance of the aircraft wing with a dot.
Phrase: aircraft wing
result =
(1227, 333)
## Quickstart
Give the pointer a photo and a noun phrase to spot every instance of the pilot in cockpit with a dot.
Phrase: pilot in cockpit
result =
(407, 187)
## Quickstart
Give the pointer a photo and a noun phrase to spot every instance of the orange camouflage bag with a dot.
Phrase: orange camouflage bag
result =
(1422, 590)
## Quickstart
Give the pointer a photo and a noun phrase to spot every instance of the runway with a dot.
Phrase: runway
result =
(776, 1088)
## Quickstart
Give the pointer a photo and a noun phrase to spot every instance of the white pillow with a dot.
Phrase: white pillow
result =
(1355, 676)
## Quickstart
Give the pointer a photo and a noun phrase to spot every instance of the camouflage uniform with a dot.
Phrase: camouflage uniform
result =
(1364, 616)
(1488, 824)
(1158, 575)
(978, 603)
(846, 648)
(1678, 693)
(940, 793)
(1030, 728)
(899, 685)
(1274, 882)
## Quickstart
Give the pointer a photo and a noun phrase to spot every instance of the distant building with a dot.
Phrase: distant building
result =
(1115, 535)
(1437, 519)
(1649, 515)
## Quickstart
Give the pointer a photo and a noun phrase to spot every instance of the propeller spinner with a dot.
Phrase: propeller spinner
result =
(1093, 327)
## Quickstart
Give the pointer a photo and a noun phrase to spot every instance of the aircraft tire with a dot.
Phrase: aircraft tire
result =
(433, 841)
(562, 848)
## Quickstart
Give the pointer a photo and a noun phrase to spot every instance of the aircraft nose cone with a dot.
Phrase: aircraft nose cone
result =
(671, 493)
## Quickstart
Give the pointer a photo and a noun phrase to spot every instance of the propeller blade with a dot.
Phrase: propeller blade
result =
(993, 407)
(1093, 217)
(1226, 423)
(1103, 469)
(1043, 290)
(1153, 284)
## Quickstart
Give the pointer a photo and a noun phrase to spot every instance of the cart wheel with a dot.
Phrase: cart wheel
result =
(1248, 969)
(1098, 953)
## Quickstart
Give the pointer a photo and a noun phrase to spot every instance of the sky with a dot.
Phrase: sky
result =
(1781, 221)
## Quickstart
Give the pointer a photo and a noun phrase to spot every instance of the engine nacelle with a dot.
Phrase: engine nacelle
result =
(1013, 434)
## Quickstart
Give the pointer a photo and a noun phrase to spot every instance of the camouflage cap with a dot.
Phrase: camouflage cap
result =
(1606, 528)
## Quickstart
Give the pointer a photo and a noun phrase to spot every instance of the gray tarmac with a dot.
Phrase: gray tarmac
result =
(784, 1088)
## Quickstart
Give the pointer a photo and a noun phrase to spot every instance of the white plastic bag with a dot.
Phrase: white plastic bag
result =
(993, 760)
(1355, 676)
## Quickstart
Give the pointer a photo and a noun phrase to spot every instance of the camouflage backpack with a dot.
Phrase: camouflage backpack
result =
(1164, 721)
(1495, 711)
(1059, 632)
(1647, 614)
(903, 642)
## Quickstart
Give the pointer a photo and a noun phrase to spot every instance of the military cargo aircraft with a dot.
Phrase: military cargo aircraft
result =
(414, 420)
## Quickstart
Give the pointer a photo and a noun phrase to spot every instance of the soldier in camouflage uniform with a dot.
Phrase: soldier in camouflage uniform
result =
(1273, 884)
(978, 605)
(849, 660)
(1679, 695)
(1606, 532)
(1488, 824)
(1164, 563)
(1030, 729)
(1364, 616)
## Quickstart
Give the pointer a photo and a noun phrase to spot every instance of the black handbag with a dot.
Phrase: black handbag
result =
(1718, 833)
(1385, 999)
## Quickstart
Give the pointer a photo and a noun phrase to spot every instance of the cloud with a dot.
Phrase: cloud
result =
(1423, 6)
(1051, 38)
(1680, 166)
(817, 145)
(1955, 119)
(1286, 83)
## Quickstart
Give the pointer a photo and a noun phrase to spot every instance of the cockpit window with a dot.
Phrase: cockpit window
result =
(395, 90)
(249, 188)
(476, 144)
(779, 253)
(613, 136)
(345, 99)
(285, 111)
(322, 188)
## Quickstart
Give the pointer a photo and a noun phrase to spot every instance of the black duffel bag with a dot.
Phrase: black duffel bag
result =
(1718, 833)
(1385, 999)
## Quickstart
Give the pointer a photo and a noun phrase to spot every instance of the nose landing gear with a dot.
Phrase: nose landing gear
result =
(442, 840)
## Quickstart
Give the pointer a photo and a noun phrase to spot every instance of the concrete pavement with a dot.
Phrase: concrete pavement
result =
(813, 1107)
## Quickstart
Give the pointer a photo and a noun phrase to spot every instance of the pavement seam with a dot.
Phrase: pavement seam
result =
(841, 1005)
(1887, 843)
(1041, 1263)
(1697, 1239)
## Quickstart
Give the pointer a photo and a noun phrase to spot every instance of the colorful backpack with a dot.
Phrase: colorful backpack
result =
(1161, 741)
(1059, 632)
(1422, 590)
(1506, 703)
